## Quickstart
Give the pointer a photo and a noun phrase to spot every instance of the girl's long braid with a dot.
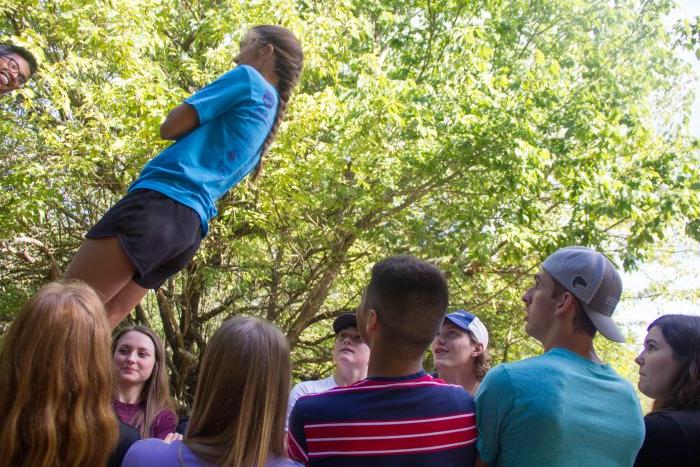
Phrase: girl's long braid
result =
(289, 60)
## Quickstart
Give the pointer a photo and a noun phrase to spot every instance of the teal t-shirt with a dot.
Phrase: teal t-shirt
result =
(558, 409)
(236, 113)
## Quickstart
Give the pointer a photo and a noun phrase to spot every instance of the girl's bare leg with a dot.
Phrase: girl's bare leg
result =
(102, 263)
(126, 300)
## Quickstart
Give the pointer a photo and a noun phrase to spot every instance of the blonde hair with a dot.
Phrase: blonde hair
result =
(56, 381)
(155, 393)
(241, 398)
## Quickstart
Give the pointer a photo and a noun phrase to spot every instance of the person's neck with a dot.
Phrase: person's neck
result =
(345, 376)
(461, 377)
(577, 343)
(128, 394)
(271, 77)
(266, 69)
(390, 363)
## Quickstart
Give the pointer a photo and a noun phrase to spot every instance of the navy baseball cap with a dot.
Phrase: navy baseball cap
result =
(469, 322)
(344, 321)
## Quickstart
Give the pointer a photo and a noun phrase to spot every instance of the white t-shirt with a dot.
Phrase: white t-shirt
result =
(308, 387)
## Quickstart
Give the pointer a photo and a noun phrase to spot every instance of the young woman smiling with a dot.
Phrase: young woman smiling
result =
(141, 393)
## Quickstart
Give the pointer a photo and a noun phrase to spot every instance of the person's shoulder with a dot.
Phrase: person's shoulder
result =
(512, 370)
(451, 394)
(152, 451)
(241, 75)
(167, 414)
(247, 73)
(659, 420)
(666, 421)
(311, 387)
(164, 422)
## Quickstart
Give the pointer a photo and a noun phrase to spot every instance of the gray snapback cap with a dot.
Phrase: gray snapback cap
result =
(592, 278)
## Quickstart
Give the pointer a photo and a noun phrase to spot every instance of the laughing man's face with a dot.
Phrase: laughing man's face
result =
(14, 72)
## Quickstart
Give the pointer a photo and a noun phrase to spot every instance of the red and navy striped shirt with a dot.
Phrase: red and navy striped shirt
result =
(413, 420)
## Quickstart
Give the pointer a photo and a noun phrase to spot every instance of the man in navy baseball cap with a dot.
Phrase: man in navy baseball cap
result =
(350, 358)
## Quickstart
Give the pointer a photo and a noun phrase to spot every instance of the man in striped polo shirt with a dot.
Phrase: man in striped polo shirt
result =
(399, 415)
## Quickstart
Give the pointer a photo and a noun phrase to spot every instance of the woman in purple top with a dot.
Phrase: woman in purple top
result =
(141, 393)
(239, 406)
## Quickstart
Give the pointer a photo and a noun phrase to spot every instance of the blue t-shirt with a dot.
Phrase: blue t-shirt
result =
(558, 409)
(157, 453)
(236, 113)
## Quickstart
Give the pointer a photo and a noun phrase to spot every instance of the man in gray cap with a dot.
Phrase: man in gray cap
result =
(350, 356)
(565, 407)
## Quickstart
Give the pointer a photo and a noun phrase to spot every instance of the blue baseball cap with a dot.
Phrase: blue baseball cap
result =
(469, 322)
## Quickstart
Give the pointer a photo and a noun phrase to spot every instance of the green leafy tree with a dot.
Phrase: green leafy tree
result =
(481, 135)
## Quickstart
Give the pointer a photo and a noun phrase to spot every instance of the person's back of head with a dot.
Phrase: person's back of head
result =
(56, 381)
(410, 298)
(241, 399)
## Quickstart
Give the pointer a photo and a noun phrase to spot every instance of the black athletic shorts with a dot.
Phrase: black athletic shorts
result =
(158, 234)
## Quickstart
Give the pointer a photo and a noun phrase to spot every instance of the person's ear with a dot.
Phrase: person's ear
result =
(566, 304)
(267, 50)
(478, 349)
(372, 323)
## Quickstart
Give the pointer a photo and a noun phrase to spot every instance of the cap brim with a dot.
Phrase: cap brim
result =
(456, 322)
(605, 325)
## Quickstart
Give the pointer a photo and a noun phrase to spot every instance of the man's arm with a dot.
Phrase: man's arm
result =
(180, 121)
(494, 401)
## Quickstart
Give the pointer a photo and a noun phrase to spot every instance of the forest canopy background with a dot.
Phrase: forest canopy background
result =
(480, 135)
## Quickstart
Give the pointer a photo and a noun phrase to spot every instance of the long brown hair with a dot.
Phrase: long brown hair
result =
(482, 362)
(682, 333)
(56, 381)
(241, 398)
(289, 61)
(155, 394)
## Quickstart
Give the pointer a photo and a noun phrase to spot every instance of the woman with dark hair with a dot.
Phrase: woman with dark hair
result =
(221, 134)
(669, 372)
(141, 392)
(239, 405)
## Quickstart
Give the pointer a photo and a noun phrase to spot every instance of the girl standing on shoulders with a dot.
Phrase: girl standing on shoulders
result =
(239, 406)
(141, 393)
(669, 372)
(221, 134)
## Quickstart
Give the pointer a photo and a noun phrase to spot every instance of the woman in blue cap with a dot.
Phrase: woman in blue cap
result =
(460, 350)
